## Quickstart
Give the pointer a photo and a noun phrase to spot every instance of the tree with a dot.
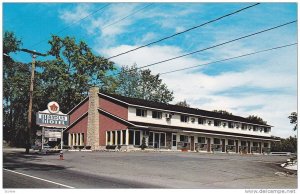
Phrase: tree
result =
(284, 145)
(293, 119)
(15, 92)
(183, 103)
(68, 77)
(224, 112)
(256, 119)
(137, 83)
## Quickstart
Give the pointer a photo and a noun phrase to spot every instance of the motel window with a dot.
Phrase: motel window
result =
(255, 144)
(184, 138)
(151, 138)
(266, 145)
(266, 130)
(230, 124)
(184, 118)
(118, 137)
(201, 139)
(243, 143)
(131, 136)
(217, 123)
(108, 137)
(141, 112)
(237, 125)
(230, 142)
(243, 126)
(200, 121)
(162, 139)
(124, 137)
(137, 138)
(156, 114)
(217, 141)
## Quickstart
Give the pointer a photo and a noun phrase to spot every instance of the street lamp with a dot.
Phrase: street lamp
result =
(28, 129)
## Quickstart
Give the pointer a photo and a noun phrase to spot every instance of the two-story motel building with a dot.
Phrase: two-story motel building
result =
(109, 119)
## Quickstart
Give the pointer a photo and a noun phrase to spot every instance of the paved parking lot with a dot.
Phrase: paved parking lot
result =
(181, 170)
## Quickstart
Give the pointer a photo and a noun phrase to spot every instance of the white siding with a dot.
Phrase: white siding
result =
(175, 121)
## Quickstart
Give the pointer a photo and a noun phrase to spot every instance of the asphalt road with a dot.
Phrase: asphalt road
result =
(145, 170)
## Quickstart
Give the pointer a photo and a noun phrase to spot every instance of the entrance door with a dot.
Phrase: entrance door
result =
(174, 141)
(223, 145)
(237, 146)
(249, 151)
(208, 144)
(156, 140)
(192, 143)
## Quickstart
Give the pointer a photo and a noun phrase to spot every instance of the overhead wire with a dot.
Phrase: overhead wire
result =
(184, 31)
(231, 58)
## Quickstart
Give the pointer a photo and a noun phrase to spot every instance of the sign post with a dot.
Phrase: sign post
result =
(53, 123)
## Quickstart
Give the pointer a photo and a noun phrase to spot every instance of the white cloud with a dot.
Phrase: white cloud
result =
(274, 100)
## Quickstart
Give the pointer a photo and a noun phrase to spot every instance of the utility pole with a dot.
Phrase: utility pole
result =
(29, 122)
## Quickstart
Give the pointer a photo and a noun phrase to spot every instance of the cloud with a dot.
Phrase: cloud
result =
(266, 88)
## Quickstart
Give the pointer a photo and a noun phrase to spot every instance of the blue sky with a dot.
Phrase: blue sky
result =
(264, 84)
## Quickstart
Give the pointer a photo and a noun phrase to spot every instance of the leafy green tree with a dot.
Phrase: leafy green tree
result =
(67, 78)
(224, 112)
(284, 145)
(293, 119)
(256, 119)
(183, 103)
(137, 83)
(15, 92)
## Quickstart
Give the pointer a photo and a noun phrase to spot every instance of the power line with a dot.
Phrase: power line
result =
(211, 21)
(77, 21)
(119, 20)
(253, 34)
(227, 59)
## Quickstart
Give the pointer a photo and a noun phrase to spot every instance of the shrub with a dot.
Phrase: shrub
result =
(88, 147)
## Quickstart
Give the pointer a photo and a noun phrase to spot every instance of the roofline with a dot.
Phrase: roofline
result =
(80, 103)
(119, 118)
(77, 120)
(179, 112)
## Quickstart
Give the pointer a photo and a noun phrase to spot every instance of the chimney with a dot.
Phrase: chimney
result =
(93, 119)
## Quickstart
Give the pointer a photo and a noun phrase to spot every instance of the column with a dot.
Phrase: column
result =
(81, 139)
(121, 137)
(127, 137)
(111, 138)
(69, 139)
(73, 139)
(77, 139)
(116, 137)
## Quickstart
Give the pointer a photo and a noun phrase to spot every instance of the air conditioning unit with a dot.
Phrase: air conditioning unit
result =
(168, 116)
(193, 120)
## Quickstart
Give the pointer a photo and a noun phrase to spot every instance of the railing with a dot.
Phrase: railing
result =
(216, 148)
(255, 149)
(243, 149)
(230, 148)
(201, 147)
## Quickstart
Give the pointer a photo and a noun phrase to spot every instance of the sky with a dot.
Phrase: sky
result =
(264, 84)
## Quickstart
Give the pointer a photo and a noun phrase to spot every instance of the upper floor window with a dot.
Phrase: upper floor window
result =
(217, 123)
(184, 118)
(156, 114)
(141, 112)
(244, 126)
(266, 129)
(200, 121)
(230, 124)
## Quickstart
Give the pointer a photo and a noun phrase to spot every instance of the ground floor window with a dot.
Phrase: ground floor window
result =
(157, 139)
(135, 137)
(201, 139)
(174, 139)
(131, 136)
(230, 142)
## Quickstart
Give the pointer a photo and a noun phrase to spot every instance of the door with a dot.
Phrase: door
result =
(237, 146)
(156, 140)
(174, 141)
(223, 145)
(208, 144)
(192, 144)
(249, 147)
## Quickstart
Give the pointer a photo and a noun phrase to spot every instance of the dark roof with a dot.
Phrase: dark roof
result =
(176, 108)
